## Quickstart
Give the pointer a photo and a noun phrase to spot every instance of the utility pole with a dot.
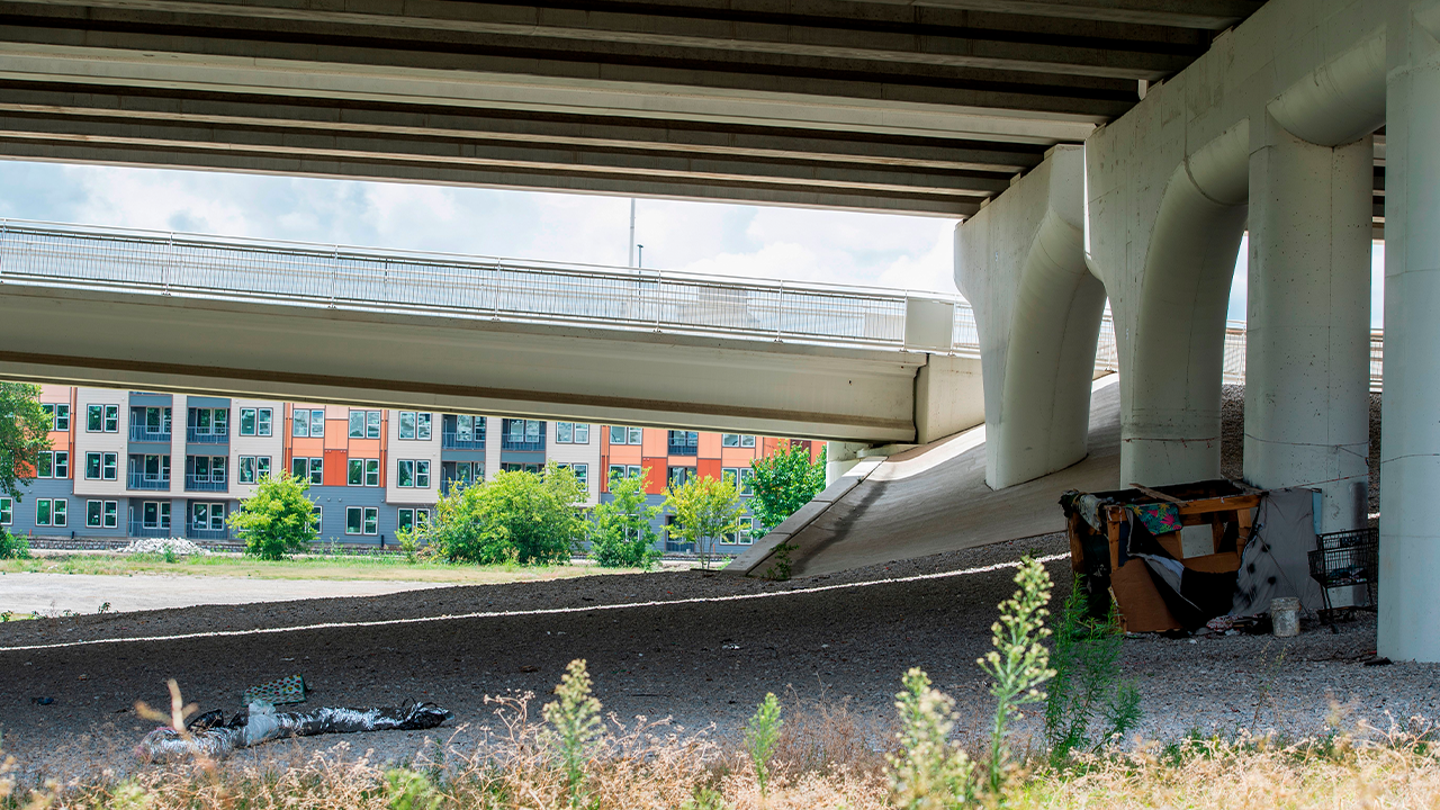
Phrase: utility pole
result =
(641, 263)
(631, 260)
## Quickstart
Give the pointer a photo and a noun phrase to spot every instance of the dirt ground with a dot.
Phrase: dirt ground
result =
(701, 648)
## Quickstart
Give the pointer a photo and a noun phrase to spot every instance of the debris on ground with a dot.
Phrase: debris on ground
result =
(160, 545)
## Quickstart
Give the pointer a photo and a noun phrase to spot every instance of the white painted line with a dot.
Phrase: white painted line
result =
(499, 614)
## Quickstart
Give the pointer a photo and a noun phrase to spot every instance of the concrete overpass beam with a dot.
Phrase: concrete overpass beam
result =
(1021, 264)
(1410, 451)
(1308, 326)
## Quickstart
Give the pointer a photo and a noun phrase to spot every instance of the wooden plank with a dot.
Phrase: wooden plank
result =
(1155, 493)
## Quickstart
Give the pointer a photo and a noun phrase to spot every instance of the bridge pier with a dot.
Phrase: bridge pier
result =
(1410, 451)
(1307, 394)
(1021, 263)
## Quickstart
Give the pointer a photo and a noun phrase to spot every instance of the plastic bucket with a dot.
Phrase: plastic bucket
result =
(1285, 616)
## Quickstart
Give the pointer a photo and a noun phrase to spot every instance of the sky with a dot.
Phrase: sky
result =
(915, 253)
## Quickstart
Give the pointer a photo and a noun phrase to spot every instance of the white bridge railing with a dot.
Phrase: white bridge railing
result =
(506, 290)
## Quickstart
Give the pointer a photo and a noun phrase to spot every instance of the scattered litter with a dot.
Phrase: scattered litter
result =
(529, 668)
(210, 735)
(1378, 661)
(44, 701)
(159, 545)
(290, 689)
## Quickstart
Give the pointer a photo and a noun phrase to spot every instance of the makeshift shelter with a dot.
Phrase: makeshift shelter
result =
(1174, 557)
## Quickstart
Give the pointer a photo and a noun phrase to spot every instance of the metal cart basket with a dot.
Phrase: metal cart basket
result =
(1346, 559)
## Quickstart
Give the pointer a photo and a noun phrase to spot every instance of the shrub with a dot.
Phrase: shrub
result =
(620, 532)
(761, 733)
(1087, 685)
(13, 546)
(783, 482)
(705, 510)
(277, 520)
(513, 516)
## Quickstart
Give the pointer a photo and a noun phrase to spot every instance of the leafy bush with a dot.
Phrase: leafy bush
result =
(277, 520)
(705, 510)
(1087, 685)
(514, 516)
(761, 733)
(620, 532)
(24, 434)
(13, 546)
(783, 482)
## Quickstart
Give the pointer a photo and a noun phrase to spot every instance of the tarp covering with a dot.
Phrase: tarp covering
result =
(1276, 563)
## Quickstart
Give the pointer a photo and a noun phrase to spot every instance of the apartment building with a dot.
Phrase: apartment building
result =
(138, 464)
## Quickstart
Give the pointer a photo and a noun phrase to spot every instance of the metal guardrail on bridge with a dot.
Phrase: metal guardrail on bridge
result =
(506, 290)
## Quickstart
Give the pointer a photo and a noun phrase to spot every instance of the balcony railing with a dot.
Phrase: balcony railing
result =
(144, 433)
(684, 450)
(138, 529)
(142, 481)
(452, 440)
(196, 437)
(508, 443)
(192, 484)
(207, 534)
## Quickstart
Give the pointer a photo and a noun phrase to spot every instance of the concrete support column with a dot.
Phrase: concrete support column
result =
(1307, 360)
(1410, 448)
(839, 458)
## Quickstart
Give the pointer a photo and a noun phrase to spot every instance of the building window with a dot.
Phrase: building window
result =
(207, 469)
(208, 517)
(152, 467)
(683, 442)
(364, 424)
(149, 424)
(102, 419)
(623, 471)
(513, 467)
(363, 472)
(59, 416)
(317, 514)
(413, 473)
(736, 440)
(50, 512)
(7, 511)
(572, 433)
(102, 514)
(362, 520)
(413, 519)
(252, 469)
(255, 421)
(463, 472)
(308, 469)
(307, 423)
(155, 514)
(678, 476)
(742, 535)
(54, 464)
(620, 434)
(582, 472)
(109, 466)
(209, 421)
(92, 466)
(415, 426)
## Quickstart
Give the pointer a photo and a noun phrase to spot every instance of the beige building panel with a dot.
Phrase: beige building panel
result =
(571, 453)
(86, 441)
(272, 446)
(412, 450)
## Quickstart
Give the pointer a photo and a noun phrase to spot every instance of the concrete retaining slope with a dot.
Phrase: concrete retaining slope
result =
(933, 499)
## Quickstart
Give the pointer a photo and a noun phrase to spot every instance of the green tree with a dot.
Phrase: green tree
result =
(705, 510)
(515, 515)
(24, 435)
(278, 520)
(621, 535)
(783, 482)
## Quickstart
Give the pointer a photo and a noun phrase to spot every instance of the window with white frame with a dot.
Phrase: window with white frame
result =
(619, 434)
(150, 467)
(469, 428)
(363, 472)
(677, 476)
(623, 471)
(743, 534)
(52, 464)
(92, 466)
(737, 440)
(109, 466)
(7, 510)
(364, 424)
(415, 426)
(317, 515)
(307, 423)
(572, 433)
(582, 472)
(209, 421)
(208, 469)
(208, 516)
(308, 469)
(102, 514)
(465, 472)
(416, 519)
(102, 419)
(412, 473)
(59, 416)
(252, 469)
(155, 514)
(256, 421)
(362, 520)
(51, 512)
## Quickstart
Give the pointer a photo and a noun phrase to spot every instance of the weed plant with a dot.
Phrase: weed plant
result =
(761, 735)
(1087, 689)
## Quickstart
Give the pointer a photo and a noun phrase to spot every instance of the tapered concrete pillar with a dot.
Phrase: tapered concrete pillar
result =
(1307, 357)
(1410, 448)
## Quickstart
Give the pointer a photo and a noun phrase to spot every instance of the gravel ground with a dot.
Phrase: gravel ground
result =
(702, 662)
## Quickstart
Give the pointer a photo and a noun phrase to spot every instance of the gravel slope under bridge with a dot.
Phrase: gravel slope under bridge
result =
(702, 662)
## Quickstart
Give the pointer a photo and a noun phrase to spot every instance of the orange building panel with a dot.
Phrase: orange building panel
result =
(626, 454)
(737, 456)
(307, 447)
(659, 472)
(364, 448)
(709, 445)
(335, 467)
(657, 442)
(708, 468)
(337, 434)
